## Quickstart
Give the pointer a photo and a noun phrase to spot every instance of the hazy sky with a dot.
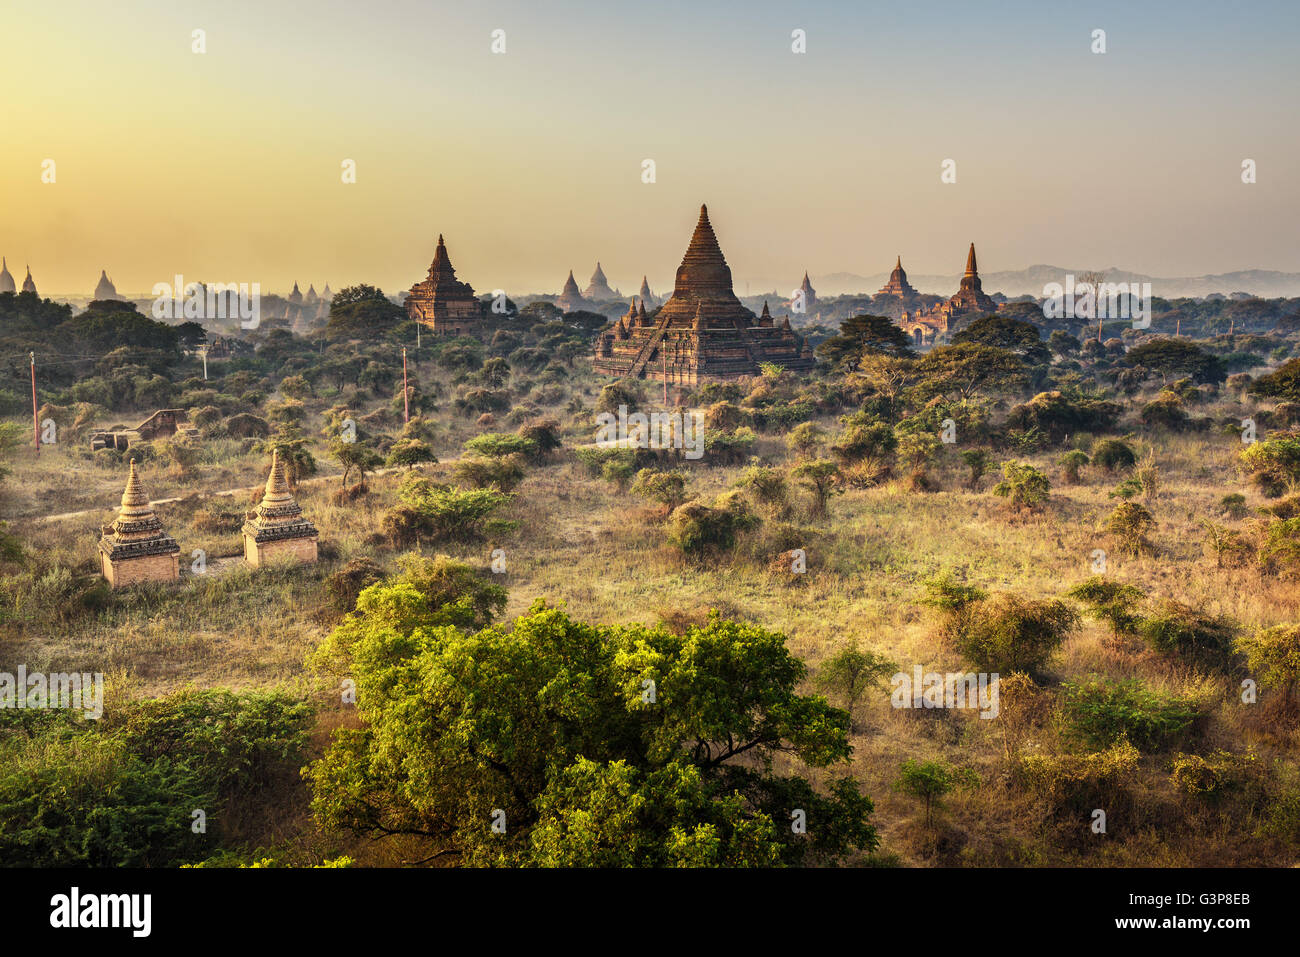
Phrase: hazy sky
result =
(226, 166)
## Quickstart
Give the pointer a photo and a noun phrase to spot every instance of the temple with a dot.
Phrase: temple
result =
(6, 278)
(898, 285)
(702, 331)
(442, 303)
(104, 289)
(135, 548)
(646, 295)
(598, 289)
(570, 298)
(277, 527)
(809, 293)
(933, 325)
(28, 284)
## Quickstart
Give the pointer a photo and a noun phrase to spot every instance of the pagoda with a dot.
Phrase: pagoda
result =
(898, 286)
(645, 294)
(104, 289)
(29, 285)
(809, 293)
(135, 548)
(929, 326)
(277, 527)
(441, 302)
(598, 289)
(570, 298)
(702, 331)
(6, 278)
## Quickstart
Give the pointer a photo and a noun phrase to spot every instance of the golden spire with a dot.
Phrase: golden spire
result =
(135, 503)
(277, 484)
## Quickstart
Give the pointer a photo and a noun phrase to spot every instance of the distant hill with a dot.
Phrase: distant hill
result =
(1267, 284)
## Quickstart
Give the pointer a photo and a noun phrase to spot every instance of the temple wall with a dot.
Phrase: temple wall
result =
(303, 549)
(150, 568)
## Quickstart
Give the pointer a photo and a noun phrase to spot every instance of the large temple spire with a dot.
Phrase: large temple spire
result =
(970, 262)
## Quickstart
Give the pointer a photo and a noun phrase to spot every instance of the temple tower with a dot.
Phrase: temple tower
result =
(277, 527)
(28, 284)
(104, 289)
(598, 289)
(6, 278)
(441, 302)
(135, 548)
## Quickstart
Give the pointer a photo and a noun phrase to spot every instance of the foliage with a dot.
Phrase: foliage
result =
(1100, 713)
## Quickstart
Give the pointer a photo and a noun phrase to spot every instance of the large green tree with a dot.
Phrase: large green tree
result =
(554, 742)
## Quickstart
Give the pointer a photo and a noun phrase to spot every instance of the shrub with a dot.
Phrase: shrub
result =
(501, 473)
(442, 513)
(931, 780)
(1110, 601)
(850, 672)
(408, 453)
(1100, 713)
(1130, 523)
(1273, 465)
(499, 445)
(1219, 777)
(701, 531)
(769, 488)
(1180, 630)
(1274, 655)
(1113, 455)
(1023, 485)
(1070, 463)
(1074, 784)
(666, 488)
(1007, 633)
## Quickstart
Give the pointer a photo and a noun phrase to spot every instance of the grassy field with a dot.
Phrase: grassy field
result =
(604, 554)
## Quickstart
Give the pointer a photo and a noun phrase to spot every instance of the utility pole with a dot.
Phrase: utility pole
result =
(406, 395)
(664, 353)
(36, 424)
(203, 351)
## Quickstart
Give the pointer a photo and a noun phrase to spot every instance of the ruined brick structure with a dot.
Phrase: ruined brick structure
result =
(702, 331)
(277, 528)
(135, 548)
(445, 305)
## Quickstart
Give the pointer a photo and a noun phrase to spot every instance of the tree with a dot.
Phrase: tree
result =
(931, 780)
(1130, 523)
(666, 488)
(355, 455)
(362, 312)
(818, 477)
(1274, 655)
(1282, 383)
(1004, 332)
(850, 672)
(1071, 462)
(963, 369)
(1273, 465)
(1177, 357)
(408, 453)
(979, 462)
(586, 745)
(864, 334)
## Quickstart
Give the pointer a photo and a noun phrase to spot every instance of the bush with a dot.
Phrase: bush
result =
(1180, 630)
(701, 531)
(441, 513)
(1023, 485)
(1218, 778)
(666, 488)
(1074, 784)
(1273, 466)
(1100, 713)
(1111, 601)
(1130, 523)
(1274, 655)
(1007, 633)
(1113, 455)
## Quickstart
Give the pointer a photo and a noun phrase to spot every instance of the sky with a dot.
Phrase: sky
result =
(227, 165)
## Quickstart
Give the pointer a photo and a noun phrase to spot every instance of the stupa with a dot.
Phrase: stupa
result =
(277, 527)
(29, 285)
(570, 298)
(104, 289)
(135, 548)
(598, 289)
(6, 278)
(445, 305)
(702, 331)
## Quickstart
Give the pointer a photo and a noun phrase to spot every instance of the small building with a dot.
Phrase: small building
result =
(162, 424)
(135, 548)
(277, 527)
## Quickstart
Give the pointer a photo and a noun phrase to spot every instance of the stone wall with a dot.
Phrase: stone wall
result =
(303, 549)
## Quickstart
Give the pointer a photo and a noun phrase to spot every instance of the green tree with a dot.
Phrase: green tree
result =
(587, 745)
(931, 780)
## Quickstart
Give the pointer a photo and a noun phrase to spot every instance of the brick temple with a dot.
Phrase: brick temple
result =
(933, 325)
(277, 527)
(702, 331)
(441, 302)
(135, 548)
